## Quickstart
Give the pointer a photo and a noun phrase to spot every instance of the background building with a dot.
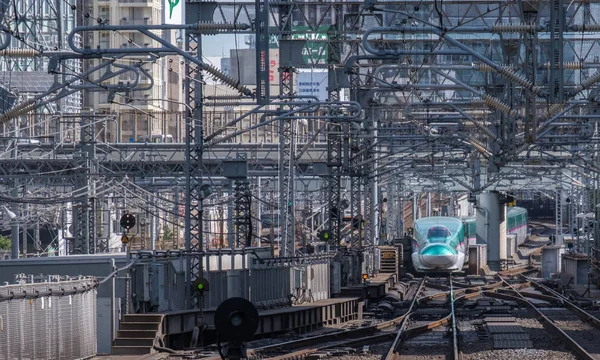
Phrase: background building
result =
(143, 112)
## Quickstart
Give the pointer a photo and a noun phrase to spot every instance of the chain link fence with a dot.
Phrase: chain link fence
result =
(54, 319)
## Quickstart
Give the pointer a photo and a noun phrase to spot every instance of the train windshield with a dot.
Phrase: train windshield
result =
(438, 232)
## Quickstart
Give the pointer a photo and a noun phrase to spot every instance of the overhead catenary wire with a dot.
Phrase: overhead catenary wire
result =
(441, 25)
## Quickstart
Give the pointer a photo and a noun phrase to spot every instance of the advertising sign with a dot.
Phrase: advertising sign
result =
(312, 83)
(273, 39)
(274, 71)
(173, 11)
(314, 52)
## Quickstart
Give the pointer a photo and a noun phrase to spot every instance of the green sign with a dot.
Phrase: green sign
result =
(314, 52)
(273, 39)
(172, 4)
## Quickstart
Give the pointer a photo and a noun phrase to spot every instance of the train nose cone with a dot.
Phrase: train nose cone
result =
(438, 255)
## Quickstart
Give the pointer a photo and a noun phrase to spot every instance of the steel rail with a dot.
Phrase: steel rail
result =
(417, 330)
(393, 351)
(582, 314)
(347, 343)
(461, 291)
(491, 291)
(546, 298)
(368, 335)
(369, 331)
(358, 337)
(455, 352)
(518, 270)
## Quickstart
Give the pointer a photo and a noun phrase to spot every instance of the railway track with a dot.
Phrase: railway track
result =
(454, 319)
(413, 325)
(519, 270)
(335, 343)
(579, 330)
(433, 331)
(429, 320)
(394, 351)
(582, 327)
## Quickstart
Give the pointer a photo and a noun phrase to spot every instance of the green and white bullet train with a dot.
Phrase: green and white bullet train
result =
(441, 244)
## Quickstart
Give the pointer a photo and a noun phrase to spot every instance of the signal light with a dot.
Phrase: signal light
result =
(345, 204)
(236, 320)
(127, 221)
(205, 191)
(324, 235)
(200, 285)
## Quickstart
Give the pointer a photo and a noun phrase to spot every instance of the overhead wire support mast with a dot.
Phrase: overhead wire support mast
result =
(286, 143)
(335, 144)
(193, 156)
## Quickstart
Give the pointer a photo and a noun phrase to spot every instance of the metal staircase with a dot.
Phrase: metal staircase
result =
(137, 333)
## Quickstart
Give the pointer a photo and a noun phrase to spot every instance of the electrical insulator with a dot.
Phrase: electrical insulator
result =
(522, 148)
(18, 110)
(497, 104)
(483, 67)
(514, 28)
(211, 28)
(586, 27)
(224, 97)
(478, 146)
(20, 53)
(486, 130)
(586, 84)
(222, 103)
(511, 75)
(569, 65)
(226, 79)
(555, 109)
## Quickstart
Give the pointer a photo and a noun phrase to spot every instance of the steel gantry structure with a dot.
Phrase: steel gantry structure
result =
(459, 96)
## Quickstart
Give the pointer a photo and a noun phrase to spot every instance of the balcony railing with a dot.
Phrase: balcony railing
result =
(139, 2)
(145, 21)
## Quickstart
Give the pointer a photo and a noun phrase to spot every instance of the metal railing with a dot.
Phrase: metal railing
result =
(267, 282)
(135, 1)
(145, 21)
(55, 319)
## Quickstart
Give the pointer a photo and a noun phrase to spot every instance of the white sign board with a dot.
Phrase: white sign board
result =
(173, 11)
(312, 83)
